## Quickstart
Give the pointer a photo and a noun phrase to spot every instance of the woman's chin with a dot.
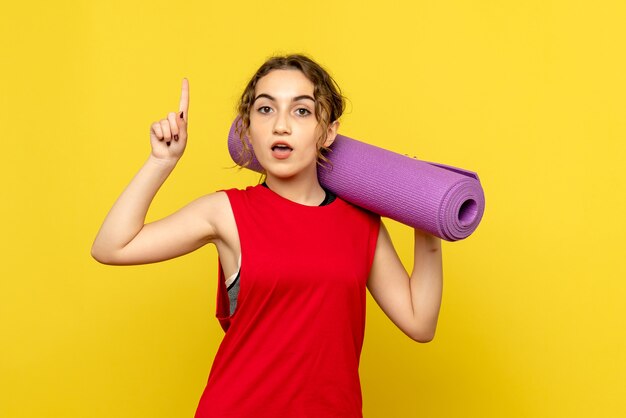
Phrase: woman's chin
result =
(283, 171)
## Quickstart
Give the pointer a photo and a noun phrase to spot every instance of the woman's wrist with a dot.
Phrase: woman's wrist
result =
(168, 163)
(424, 240)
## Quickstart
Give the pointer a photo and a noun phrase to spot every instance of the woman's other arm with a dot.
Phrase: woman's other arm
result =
(411, 302)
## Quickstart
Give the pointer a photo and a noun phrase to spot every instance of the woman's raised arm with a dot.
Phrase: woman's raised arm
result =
(123, 238)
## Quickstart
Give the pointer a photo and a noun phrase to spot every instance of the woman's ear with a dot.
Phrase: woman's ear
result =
(331, 133)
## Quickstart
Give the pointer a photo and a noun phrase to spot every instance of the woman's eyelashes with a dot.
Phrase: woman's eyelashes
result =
(301, 111)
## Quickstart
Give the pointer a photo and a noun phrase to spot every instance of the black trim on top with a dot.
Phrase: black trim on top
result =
(328, 199)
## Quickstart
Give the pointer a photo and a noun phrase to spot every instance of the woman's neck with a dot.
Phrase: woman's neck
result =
(303, 190)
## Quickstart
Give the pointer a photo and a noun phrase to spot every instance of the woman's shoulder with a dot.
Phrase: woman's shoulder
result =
(217, 207)
(359, 215)
(246, 190)
(357, 209)
(212, 206)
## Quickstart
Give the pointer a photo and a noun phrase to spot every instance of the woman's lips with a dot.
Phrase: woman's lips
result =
(281, 152)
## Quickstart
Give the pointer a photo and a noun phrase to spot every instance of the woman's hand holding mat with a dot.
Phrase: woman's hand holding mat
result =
(445, 201)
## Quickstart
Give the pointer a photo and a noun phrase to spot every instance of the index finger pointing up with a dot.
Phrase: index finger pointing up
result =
(184, 99)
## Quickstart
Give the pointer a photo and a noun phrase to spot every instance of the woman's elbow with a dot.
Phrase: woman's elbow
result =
(96, 256)
(423, 336)
(101, 257)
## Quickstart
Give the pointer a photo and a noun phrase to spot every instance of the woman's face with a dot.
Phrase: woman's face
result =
(283, 128)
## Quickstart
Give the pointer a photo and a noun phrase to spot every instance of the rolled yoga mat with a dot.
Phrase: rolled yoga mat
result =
(445, 201)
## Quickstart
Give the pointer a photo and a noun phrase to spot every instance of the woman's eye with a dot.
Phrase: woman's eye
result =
(265, 109)
(303, 112)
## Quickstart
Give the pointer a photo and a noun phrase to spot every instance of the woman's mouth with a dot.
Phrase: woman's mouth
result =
(281, 151)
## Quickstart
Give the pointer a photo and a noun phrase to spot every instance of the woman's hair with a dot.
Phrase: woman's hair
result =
(329, 102)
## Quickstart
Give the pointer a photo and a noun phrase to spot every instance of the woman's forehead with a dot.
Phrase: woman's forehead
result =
(284, 83)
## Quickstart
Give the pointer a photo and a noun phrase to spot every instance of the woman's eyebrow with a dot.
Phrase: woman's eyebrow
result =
(295, 99)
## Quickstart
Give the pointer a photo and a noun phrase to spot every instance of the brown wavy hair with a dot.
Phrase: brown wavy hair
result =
(329, 102)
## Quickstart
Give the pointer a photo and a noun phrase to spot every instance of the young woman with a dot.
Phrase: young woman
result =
(294, 259)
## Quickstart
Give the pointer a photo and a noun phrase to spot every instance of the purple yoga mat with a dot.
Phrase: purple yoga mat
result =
(444, 201)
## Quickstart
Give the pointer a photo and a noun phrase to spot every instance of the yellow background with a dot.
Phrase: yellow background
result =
(531, 95)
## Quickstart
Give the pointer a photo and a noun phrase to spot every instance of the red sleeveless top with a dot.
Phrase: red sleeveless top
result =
(292, 346)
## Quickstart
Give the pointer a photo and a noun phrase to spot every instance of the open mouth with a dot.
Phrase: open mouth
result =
(281, 151)
(281, 147)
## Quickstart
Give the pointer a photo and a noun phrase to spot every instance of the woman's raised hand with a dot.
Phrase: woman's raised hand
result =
(168, 137)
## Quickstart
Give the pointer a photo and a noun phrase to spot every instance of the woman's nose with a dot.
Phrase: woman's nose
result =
(281, 124)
